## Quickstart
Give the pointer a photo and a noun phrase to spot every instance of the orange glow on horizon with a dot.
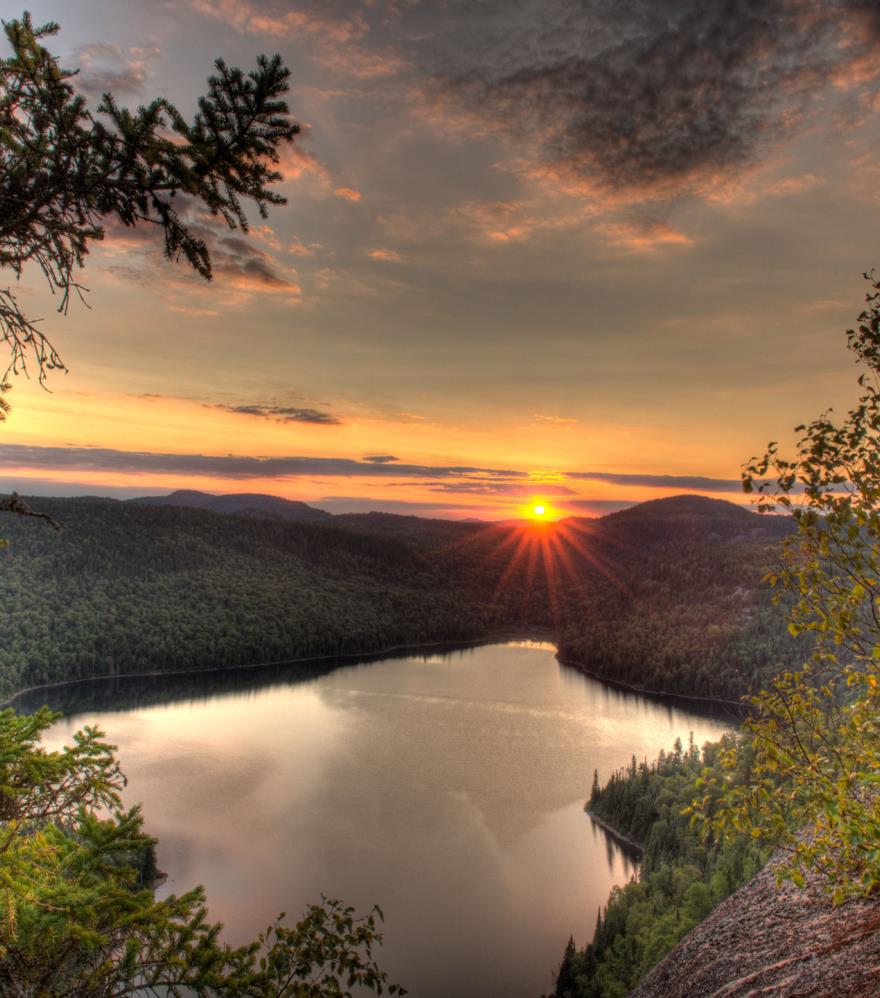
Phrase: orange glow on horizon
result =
(137, 425)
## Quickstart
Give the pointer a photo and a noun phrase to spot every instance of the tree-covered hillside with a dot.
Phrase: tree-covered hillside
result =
(666, 596)
(683, 874)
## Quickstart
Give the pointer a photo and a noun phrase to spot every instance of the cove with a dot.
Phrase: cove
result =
(448, 788)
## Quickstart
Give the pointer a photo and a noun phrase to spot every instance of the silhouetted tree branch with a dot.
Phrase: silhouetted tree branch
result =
(64, 170)
(15, 504)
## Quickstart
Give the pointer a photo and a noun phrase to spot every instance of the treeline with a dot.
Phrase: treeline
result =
(666, 596)
(129, 589)
(682, 876)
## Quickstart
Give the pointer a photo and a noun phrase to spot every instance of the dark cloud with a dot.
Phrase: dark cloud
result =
(380, 458)
(106, 67)
(472, 480)
(237, 262)
(694, 483)
(654, 96)
(226, 466)
(282, 413)
(236, 256)
(500, 488)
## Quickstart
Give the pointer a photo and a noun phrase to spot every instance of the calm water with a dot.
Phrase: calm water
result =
(448, 789)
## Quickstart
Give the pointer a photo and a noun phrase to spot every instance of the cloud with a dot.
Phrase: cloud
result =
(281, 22)
(452, 479)
(648, 99)
(194, 311)
(362, 63)
(508, 489)
(696, 483)
(503, 223)
(225, 466)
(240, 267)
(385, 255)
(106, 67)
(298, 162)
(543, 418)
(334, 40)
(645, 238)
(295, 161)
(282, 413)
(236, 260)
(296, 247)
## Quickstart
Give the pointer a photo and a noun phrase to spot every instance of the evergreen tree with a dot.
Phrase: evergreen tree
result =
(64, 171)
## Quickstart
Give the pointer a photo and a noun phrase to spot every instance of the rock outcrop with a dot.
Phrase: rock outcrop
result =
(779, 941)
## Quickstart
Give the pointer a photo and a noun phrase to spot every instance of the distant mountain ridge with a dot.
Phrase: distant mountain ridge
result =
(241, 504)
(696, 513)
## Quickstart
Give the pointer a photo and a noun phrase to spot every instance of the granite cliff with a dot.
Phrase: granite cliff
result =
(774, 940)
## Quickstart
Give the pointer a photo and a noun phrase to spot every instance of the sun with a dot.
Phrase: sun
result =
(537, 511)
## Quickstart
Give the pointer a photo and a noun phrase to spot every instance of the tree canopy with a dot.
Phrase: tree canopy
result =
(815, 732)
(67, 171)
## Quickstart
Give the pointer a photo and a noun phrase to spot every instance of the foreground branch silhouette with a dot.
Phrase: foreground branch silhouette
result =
(65, 171)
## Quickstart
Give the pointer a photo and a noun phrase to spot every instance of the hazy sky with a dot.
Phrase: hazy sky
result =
(594, 251)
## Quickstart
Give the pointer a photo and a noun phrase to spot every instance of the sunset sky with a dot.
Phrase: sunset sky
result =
(592, 251)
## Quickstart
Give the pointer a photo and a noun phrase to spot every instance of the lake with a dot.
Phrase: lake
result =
(448, 788)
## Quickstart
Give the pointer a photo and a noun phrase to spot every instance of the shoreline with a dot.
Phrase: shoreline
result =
(623, 840)
(686, 699)
(349, 658)
(354, 658)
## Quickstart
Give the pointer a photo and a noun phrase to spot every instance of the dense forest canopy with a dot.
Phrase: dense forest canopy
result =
(665, 596)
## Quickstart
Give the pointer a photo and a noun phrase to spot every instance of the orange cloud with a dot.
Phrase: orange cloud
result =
(514, 221)
(348, 194)
(643, 239)
(542, 418)
(296, 247)
(265, 234)
(335, 38)
(387, 255)
(246, 17)
(454, 121)
(190, 310)
(757, 183)
(362, 64)
(296, 162)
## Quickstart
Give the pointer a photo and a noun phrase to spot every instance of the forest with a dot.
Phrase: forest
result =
(684, 873)
(665, 596)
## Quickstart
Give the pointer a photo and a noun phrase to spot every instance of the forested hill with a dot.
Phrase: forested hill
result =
(666, 595)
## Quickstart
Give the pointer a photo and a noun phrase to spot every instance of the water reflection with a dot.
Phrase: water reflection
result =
(449, 788)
